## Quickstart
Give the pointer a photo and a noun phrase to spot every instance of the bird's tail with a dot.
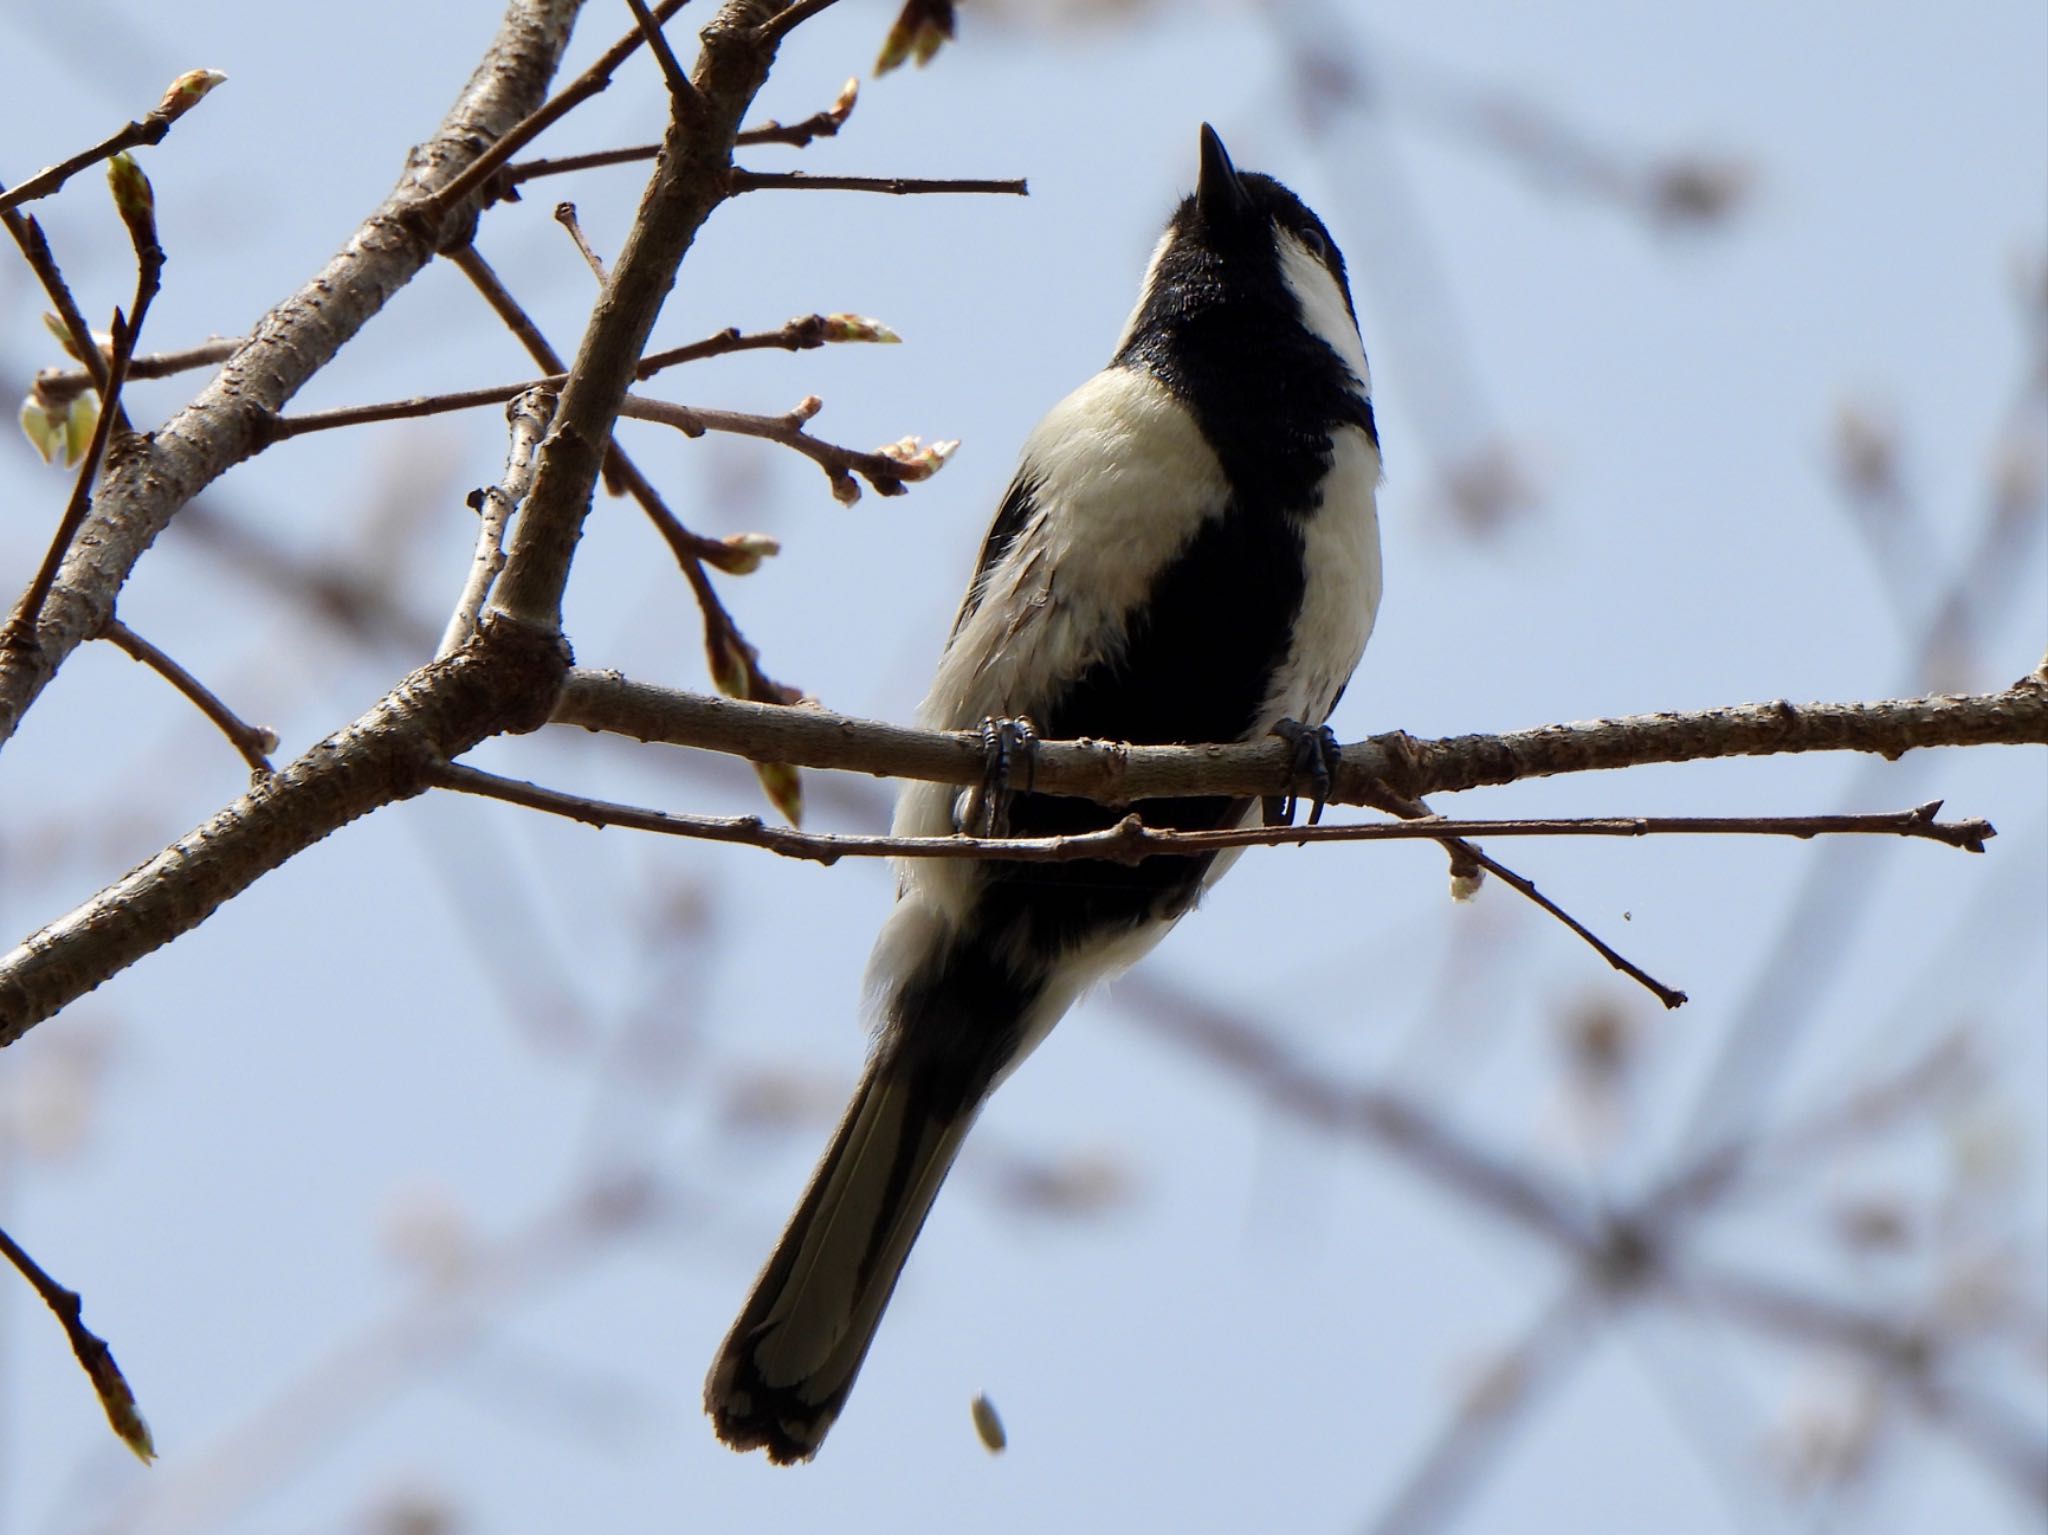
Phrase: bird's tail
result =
(786, 1367)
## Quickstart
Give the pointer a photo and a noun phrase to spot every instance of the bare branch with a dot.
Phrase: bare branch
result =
(798, 335)
(94, 1357)
(254, 742)
(35, 248)
(889, 470)
(518, 135)
(822, 124)
(792, 16)
(184, 94)
(565, 215)
(136, 204)
(143, 490)
(529, 415)
(505, 679)
(1130, 841)
(683, 94)
(1115, 774)
(897, 186)
(56, 385)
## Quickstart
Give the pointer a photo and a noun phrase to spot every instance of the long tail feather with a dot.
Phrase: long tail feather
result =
(787, 1365)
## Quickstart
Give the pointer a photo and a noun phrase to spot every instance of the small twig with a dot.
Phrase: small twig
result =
(136, 204)
(792, 16)
(35, 247)
(1468, 859)
(184, 93)
(56, 385)
(1130, 841)
(689, 106)
(819, 125)
(94, 1357)
(565, 215)
(1670, 996)
(563, 165)
(739, 180)
(888, 470)
(254, 742)
(799, 335)
(529, 415)
(586, 85)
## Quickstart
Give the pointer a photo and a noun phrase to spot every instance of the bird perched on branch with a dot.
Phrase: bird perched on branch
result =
(1189, 552)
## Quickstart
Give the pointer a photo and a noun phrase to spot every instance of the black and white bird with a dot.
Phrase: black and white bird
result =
(1189, 552)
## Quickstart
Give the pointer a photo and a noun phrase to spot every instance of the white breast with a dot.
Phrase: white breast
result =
(1341, 560)
(1124, 481)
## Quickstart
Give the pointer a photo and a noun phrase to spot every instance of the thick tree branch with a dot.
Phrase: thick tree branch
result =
(1112, 773)
(223, 424)
(505, 679)
(386, 755)
(688, 183)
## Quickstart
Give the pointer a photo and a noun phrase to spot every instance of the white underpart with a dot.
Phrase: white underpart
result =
(1341, 537)
(1125, 480)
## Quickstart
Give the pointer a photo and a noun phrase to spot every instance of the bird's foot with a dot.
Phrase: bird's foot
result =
(1313, 768)
(1007, 745)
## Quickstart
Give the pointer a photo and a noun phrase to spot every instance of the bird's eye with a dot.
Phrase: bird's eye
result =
(1314, 243)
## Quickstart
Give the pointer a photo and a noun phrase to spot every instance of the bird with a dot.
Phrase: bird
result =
(1189, 552)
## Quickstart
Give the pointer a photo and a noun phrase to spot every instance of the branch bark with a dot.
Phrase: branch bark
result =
(1113, 773)
(505, 679)
(145, 488)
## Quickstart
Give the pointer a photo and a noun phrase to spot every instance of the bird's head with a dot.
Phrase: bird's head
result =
(1243, 259)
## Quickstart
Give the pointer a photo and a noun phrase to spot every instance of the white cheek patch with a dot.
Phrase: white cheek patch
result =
(1323, 309)
(1144, 291)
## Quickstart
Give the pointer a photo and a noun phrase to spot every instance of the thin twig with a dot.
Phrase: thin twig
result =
(134, 200)
(735, 663)
(529, 415)
(823, 124)
(141, 493)
(553, 110)
(254, 742)
(621, 476)
(94, 1357)
(681, 92)
(1670, 996)
(792, 16)
(184, 93)
(35, 247)
(798, 335)
(1130, 841)
(739, 180)
(889, 470)
(56, 385)
(565, 215)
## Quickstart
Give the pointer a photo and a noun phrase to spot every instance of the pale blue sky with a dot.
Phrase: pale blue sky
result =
(1272, 1325)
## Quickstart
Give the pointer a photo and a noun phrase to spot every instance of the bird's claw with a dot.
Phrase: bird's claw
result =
(1005, 742)
(1313, 767)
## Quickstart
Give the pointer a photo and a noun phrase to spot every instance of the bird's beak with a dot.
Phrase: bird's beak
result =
(1219, 194)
